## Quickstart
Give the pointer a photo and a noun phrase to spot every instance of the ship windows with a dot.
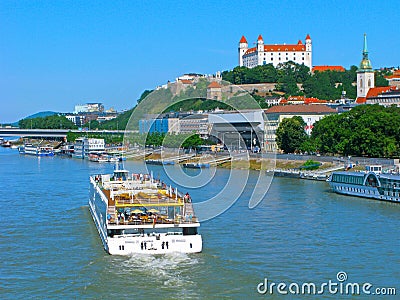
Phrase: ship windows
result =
(121, 247)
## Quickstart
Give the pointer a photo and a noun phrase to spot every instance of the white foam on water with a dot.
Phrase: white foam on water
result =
(170, 271)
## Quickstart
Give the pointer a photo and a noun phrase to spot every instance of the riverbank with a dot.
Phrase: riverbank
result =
(279, 166)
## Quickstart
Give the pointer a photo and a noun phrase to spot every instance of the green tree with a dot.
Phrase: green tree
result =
(380, 80)
(144, 95)
(366, 130)
(290, 135)
(49, 122)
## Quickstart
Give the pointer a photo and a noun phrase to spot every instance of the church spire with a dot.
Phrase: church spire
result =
(365, 65)
(365, 50)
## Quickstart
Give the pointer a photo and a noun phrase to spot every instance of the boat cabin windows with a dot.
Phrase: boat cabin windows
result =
(120, 175)
(372, 180)
(112, 232)
(347, 178)
(374, 168)
(189, 231)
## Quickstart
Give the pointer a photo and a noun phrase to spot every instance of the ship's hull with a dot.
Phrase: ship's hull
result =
(36, 152)
(363, 191)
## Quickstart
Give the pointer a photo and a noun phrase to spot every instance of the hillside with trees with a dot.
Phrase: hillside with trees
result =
(326, 85)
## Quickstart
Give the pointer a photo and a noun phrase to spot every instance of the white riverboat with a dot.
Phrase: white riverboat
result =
(370, 184)
(135, 213)
(36, 150)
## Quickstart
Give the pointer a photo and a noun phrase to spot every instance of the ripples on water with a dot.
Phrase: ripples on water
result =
(301, 232)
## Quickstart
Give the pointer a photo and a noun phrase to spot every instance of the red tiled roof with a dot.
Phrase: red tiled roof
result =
(243, 40)
(396, 74)
(214, 84)
(305, 100)
(308, 37)
(299, 42)
(330, 68)
(250, 50)
(278, 48)
(186, 81)
(361, 100)
(375, 91)
(301, 109)
(260, 38)
(313, 100)
(295, 98)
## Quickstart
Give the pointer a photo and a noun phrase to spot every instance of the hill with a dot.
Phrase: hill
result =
(42, 114)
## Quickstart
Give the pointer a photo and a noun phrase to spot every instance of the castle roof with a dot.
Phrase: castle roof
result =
(278, 48)
(328, 68)
(308, 37)
(243, 40)
(214, 84)
(260, 38)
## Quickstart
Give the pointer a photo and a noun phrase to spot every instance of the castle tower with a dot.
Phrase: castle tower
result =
(260, 50)
(365, 74)
(243, 46)
(308, 58)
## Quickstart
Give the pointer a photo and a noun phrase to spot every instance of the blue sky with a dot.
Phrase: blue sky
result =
(56, 54)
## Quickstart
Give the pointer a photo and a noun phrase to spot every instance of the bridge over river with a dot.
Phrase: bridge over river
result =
(52, 133)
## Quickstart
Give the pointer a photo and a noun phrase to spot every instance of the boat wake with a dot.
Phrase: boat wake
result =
(170, 271)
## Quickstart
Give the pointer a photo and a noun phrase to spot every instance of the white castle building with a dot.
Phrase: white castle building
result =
(274, 54)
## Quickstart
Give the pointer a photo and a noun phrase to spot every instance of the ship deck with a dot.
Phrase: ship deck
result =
(144, 203)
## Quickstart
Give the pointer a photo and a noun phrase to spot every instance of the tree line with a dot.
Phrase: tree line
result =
(326, 85)
(366, 130)
(49, 122)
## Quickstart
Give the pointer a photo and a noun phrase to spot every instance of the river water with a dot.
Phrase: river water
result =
(301, 232)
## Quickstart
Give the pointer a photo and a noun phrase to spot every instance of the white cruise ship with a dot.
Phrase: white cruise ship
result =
(370, 184)
(37, 150)
(134, 213)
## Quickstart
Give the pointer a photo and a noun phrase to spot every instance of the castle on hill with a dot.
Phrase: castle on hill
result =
(274, 54)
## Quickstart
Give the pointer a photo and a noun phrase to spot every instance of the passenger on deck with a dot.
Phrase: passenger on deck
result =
(187, 198)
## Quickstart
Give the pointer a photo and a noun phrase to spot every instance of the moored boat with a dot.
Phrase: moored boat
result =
(36, 150)
(6, 144)
(134, 213)
(196, 165)
(370, 184)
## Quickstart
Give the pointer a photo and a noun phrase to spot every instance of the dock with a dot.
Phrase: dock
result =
(170, 160)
